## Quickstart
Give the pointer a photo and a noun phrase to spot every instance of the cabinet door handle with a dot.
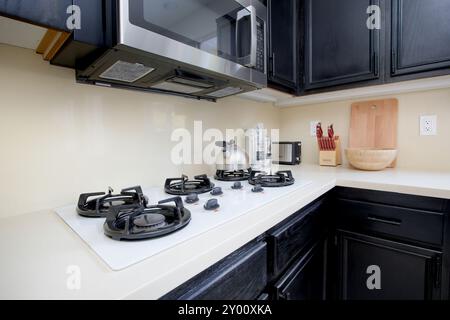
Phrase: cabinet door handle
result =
(392, 222)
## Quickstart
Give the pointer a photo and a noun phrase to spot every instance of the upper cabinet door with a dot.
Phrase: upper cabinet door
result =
(283, 49)
(340, 47)
(420, 36)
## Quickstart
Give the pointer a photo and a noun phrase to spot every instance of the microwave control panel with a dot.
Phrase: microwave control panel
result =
(260, 52)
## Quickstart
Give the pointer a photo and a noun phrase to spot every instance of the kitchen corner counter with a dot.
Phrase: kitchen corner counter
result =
(41, 253)
(421, 183)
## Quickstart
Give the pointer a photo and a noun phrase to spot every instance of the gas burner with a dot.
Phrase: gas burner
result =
(135, 222)
(280, 179)
(240, 175)
(97, 205)
(183, 186)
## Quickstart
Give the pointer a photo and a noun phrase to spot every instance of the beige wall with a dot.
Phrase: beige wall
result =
(59, 138)
(416, 152)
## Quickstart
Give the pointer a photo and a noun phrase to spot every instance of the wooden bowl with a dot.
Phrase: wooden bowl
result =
(371, 160)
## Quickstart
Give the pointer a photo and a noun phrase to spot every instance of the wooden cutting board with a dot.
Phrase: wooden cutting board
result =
(374, 125)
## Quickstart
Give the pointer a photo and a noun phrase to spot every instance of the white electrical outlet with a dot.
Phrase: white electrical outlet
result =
(428, 125)
(314, 127)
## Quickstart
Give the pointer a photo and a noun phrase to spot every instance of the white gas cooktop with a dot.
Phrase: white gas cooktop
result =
(119, 255)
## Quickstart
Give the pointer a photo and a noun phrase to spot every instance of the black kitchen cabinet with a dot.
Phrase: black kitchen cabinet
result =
(377, 269)
(240, 276)
(402, 236)
(288, 261)
(284, 45)
(423, 227)
(339, 47)
(297, 251)
(54, 14)
(288, 239)
(306, 279)
(420, 36)
(338, 50)
(415, 220)
(46, 13)
(349, 244)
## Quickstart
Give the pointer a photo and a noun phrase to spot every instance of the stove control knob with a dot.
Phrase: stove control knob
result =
(192, 198)
(212, 204)
(257, 188)
(237, 186)
(217, 191)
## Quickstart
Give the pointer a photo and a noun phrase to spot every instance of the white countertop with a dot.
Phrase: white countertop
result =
(38, 249)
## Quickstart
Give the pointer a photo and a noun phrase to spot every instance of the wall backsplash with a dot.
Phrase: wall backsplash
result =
(415, 151)
(60, 138)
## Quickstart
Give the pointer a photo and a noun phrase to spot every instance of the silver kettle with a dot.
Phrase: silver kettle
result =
(232, 158)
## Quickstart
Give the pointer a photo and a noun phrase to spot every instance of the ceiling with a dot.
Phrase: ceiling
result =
(20, 34)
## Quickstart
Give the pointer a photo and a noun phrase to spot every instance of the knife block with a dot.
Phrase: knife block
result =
(331, 158)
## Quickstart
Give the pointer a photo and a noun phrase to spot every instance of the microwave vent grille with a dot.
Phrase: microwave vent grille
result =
(126, 72)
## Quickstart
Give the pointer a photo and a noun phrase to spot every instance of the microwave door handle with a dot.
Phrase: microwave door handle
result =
(250, 10)
(254, 39)
(240, 15)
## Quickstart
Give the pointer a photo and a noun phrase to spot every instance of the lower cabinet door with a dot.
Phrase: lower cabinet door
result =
(306, 279)
(375, 269)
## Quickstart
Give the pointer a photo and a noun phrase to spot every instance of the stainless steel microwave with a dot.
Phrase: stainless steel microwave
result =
(201, 48)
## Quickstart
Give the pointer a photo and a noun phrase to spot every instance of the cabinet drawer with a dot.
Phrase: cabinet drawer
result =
(392, 199)
(305, 279)
(289, 238)
(403, 223)
(240, 276)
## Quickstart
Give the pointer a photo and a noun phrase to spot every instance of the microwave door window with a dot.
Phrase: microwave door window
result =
(217, 27)
(243, 37)
(226, 36)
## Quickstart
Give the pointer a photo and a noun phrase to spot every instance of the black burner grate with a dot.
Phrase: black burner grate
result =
(134, 222)
(279, 179)
(183, 186)
(97, 205)
(240, 175)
